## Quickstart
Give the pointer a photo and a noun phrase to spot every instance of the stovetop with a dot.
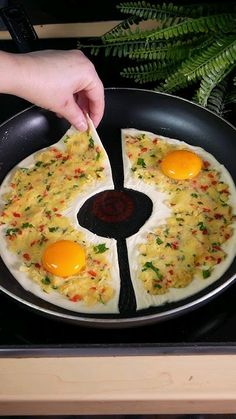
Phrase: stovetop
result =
(209, 328)
(25, 331)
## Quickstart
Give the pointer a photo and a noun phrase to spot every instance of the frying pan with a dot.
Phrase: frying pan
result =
(163, 114)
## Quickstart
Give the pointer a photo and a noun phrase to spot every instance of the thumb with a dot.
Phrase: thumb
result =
(73, 113)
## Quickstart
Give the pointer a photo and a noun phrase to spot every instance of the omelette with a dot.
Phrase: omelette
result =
(42, 244)
(190, 239)
(187, 243)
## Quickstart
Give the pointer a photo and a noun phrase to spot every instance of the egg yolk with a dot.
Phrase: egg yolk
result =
(181, 164)
(63, 258)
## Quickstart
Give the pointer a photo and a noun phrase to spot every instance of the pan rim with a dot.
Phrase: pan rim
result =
(134, 320)
(132, 89)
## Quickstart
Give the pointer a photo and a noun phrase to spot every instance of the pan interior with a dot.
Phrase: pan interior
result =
(125, 108)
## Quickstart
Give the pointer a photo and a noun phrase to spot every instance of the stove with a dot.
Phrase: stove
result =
(27, 332)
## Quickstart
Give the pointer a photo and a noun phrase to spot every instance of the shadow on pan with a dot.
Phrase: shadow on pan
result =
(163, 114)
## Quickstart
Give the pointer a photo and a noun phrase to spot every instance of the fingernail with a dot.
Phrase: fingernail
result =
(81, 126)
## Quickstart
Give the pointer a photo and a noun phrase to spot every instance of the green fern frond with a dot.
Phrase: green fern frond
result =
(146, 73)
(216, 101)
(174, 51)
(220, 54)
(121, 28)
(230, 97)
(223, 22)
(145, 10)
(210, 81)
(137, 33)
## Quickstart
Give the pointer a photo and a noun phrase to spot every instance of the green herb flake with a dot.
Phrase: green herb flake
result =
(194, 195)
(12, 231)
(38, 163)
(206, 273)
(26, 225)
(27, 208)
(141, 162)
(159, 241)
(98, 156)
(201, 226)
(53, 229)
(149, 265)
(66, 138)
(91, 142)
(46, 280)
(100, 248)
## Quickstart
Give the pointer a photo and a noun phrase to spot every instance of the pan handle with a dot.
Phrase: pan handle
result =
(21, 30)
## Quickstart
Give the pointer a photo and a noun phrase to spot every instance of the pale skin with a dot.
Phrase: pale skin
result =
(65, 82)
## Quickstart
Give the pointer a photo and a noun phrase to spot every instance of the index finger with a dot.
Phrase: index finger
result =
(96, 103)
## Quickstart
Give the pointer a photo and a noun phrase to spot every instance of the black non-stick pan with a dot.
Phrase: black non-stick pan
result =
(163, 114)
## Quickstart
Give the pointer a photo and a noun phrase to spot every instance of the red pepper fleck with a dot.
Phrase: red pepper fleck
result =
(216, 248)
(75, 298)
(206, 257)
(214, 182)
(79, 171)
(55, 209)
(144, 149)
(41, 227)
(218, 260)
(58, 215)
(218, 216)
(26, 256)
(16, 214)
(37, 265)
(175, 245)
(204, 187)
(155, 141)
(225, 191)
(206, 164)
(171, 272)
(93, 288)
(210, 175)
(205, 231)
(206, 210)
(129, 155)
(58, 156)
(76, 177)
(32, 243)
(194, 231)
(92, 273)
(65, 158)
(97, 149)
(227, 236)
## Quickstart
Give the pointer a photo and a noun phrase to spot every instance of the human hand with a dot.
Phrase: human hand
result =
(64, 82)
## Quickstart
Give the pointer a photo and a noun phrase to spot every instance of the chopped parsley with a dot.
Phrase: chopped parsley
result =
(206, 273)
(158, 240)
(91, 142)
(12, 231)
(46, 280)
(53, 229)
(149, 265)
(26, 225)
(141, 162)
(100, 248)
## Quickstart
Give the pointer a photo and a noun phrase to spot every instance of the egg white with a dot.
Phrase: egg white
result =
(159, 214)
(13, 262)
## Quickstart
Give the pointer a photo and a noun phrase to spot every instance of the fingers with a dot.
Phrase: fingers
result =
(95, 97)
(72, 112)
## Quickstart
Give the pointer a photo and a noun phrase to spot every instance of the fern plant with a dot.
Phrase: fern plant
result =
(174, 46)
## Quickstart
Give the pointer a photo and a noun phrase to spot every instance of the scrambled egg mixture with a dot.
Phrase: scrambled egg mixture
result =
(190, 243)
(33, 217)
